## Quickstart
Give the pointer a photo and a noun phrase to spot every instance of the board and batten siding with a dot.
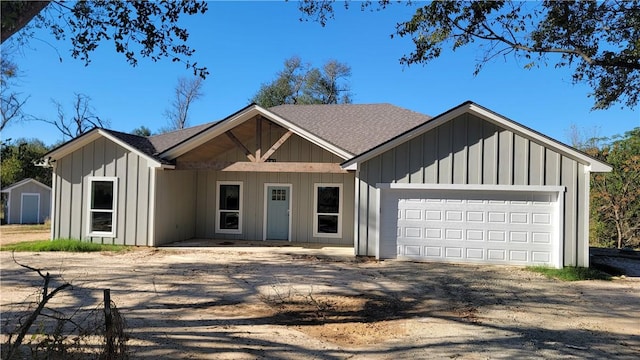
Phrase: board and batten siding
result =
(102, 157)
(302, 191)
(175, 206)
(470, 150)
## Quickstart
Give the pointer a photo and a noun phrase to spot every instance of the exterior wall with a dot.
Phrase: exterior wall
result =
(175, 206)
(469, 150)
(15, 202)
(102, 158)
(253, 199)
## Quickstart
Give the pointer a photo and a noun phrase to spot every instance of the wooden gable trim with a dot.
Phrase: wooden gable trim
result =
(246, 166)
(275, 146)
(241, 146)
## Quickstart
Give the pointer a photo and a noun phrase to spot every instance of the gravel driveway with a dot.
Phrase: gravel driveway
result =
(219, 303)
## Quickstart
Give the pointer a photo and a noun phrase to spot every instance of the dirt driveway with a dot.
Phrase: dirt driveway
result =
(217, 303)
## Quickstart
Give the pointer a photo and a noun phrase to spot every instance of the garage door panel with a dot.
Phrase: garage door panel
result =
(501, 227)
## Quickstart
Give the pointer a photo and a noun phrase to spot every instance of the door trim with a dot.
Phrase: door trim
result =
(37, 195)
(265, 216)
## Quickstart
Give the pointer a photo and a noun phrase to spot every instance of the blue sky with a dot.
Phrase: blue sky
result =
(244, 44)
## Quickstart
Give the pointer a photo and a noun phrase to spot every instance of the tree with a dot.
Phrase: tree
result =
(615, 196)
(299, 83)
(18, 159)
(146, 29)
(597, 39)
(141, 131)
(186, 92)
(82, 119)
(11, 103)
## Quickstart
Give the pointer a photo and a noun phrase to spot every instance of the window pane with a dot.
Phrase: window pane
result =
(101, 221)
(327, 224)
(102, 195)
(328, 200)
(229, 220)
(229, 197)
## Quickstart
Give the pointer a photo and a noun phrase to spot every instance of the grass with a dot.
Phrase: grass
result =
(571, 273)
(68, 245)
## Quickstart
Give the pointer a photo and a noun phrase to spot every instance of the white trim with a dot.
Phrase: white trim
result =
(356, 213)
(378, 220)
(528, 188)
(240, 200)
(240, 117)
(560, 238)
(8, 214)
(485, 114)
(52, 206)
(585, 216)
(338, 234)
(151, 231)
(22, 206)
(114, 211)
(266, 215)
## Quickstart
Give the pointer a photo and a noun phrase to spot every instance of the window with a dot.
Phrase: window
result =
(103, 193)
(327, 210)
(229, 207)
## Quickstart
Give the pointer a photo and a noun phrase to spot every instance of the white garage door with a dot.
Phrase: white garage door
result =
(500, 227)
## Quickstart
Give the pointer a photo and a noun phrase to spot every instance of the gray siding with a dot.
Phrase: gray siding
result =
(469, 150)
(102, 158)
(253, 204)
(15, 202)
(175, 206)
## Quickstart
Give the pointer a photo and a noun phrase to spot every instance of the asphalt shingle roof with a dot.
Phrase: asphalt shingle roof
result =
(355, 128)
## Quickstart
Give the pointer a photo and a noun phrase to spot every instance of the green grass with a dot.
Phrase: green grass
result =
(68, 245)
(571, 273)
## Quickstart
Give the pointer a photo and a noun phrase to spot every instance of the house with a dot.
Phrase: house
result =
(468, 185)
(27, 202)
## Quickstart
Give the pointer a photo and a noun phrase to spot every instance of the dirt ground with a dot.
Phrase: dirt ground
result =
(10, 234)
(232, 303)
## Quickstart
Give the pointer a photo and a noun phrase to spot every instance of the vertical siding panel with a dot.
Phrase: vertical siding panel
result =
(552, 168)
(388, 168)
(582, 212)
(88, 169)
(445, 163)
(121, 170)
(374, 176)
(474, 156)
(401, 155)
(144, 202)
(430, 156)
(201, 204)
(57, 202)
(75, 198)
(505, 158)
(490, 154)
(416, 167)
(459, 150)
(131, 200)
(98, 157)
(520, 160)
(362, 192)
(568, 179)
(65, 197)
(536, 164)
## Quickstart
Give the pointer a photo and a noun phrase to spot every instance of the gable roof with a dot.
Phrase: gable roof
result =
(137, 144)
(162, 142)
(23, 182)
(352, 127)
(594, 164)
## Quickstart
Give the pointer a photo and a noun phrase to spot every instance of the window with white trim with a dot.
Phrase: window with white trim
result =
(229, 207)
(327, 210)
(102, 205)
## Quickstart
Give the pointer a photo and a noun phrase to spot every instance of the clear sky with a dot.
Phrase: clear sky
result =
(244, 44)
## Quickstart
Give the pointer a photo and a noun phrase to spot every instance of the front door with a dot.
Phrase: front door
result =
(278, 200)
(30, 209)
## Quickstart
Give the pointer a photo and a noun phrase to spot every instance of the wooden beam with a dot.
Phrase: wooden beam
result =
(276, 146)
(245, 166)
(258, 136)
(241, 146)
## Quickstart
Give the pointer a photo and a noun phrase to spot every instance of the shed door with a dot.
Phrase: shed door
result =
(30, 209)
(517, 228)
(278, 199)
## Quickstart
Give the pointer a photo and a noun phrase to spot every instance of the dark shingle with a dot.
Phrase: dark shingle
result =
(353, 127)
(164, 141)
